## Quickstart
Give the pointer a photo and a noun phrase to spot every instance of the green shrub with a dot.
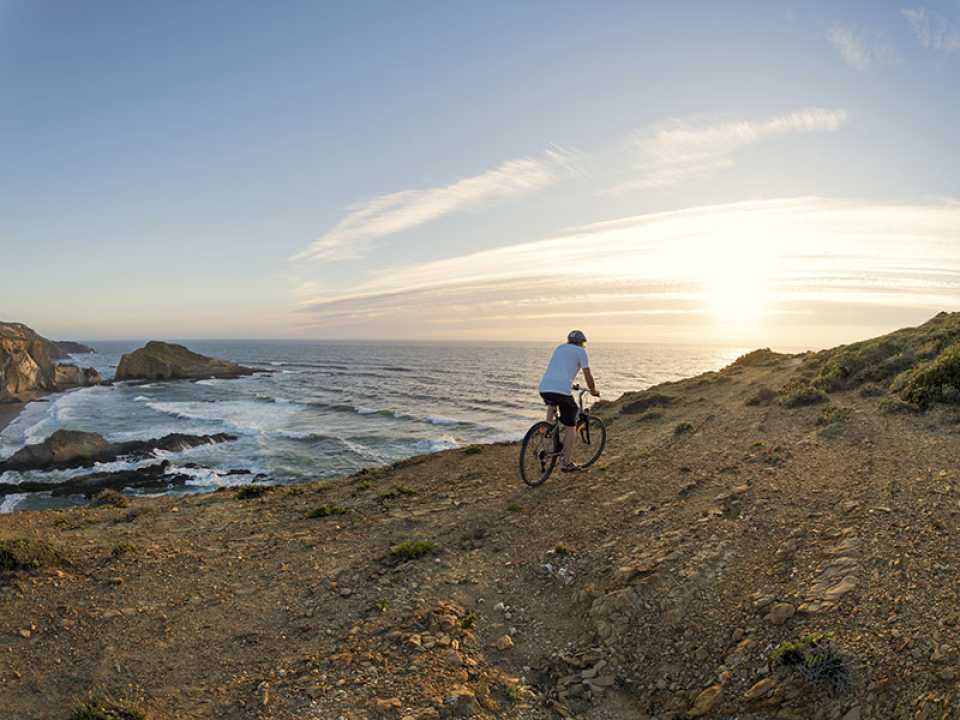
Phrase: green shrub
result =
(802, 394)
(109, 498)
(872, 390)
(322, 511)
(396, 492)
(815, 659)
(472, 450)
(933, 381)
(833, 416)
(682, 428)
(121, 549)
(103, 709)
(412, 549)
(763, 396)
(758, 358)
(469, 620)
(896, 406)
(248, 492)
(514, 507)
(23, 554)
(561, 551)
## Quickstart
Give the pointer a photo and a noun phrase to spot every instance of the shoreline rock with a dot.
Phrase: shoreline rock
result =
(167, 361)
(66, 449)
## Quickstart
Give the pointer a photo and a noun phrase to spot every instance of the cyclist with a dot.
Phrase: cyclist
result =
(556, 389)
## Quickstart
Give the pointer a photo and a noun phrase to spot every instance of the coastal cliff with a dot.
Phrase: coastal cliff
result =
(27, 365)
(773, 540)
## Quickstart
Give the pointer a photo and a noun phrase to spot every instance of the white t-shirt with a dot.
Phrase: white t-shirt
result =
(567, 360)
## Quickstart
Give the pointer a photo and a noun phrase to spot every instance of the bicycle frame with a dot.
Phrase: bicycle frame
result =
(582, 423)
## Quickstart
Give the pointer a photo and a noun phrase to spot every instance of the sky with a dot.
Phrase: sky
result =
(766, 173)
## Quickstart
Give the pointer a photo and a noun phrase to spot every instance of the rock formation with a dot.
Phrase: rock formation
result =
(69, 347)
(71, 448)
(67, 376)
(166, 361)
(27, 365)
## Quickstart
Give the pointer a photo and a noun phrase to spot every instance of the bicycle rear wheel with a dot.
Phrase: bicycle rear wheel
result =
(537, 454)
(590, 441)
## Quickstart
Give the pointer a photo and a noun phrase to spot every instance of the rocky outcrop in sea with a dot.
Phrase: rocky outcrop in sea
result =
(167, 361)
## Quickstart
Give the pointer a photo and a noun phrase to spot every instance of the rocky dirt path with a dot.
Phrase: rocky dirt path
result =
(659, 584)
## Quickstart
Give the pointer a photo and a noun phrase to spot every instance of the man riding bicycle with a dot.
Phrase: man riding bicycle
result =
(556, 389)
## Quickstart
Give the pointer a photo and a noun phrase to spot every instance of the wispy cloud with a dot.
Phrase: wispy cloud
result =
(802, 255)
(860, 49)
(679, 151)
(932, 30)
(396, 212)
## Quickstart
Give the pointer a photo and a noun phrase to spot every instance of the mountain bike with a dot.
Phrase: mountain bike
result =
(542, 446)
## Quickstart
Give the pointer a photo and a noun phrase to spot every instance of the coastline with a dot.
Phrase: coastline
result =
(9, 413)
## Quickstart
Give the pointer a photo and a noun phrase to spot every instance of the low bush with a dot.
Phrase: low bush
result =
(682, 428)
(763, 396)
(833, 416)
(249, 492)
(472, 450)
(322, 511)
(109, 498)
(413, 549)
(104, 709)
(872, 390)
(896, 406)
(815, 659)
(933, 381)
(121, 549)
(758, 358)
(23, 554)
(801, 395)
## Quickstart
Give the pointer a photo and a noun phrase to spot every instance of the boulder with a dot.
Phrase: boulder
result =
(68, 376)
(64, 448)
(70, 449)
(167, 361)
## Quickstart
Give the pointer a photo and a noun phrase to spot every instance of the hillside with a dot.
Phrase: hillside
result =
(786, 497)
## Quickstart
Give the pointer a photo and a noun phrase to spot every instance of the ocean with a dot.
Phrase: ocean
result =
(326, 409)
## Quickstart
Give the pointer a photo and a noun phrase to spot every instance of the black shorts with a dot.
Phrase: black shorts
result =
(566, 403)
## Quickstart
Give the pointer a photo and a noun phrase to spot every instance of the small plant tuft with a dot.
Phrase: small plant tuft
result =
(469, 620)
(249, 492)
(105, 709)
(472, 450)
(562, 551)
(872, 390)
(23, 554)
(413, 549)
(801, 394)
(322, 511)
(815, 659)
(121, 549)
(514, 507)
(109, 498)
(763, 396)
(682, 428)
(896, 406)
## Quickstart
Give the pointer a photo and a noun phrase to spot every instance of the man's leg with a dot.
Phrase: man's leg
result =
(551, 413)
(569, 437)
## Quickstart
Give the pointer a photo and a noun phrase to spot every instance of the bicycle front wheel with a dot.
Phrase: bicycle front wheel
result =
(590, 441)
(537, 454)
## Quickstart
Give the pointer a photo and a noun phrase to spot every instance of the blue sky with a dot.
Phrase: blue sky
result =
(478, 170)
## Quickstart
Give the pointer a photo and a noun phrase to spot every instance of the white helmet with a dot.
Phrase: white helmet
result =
(577, 337)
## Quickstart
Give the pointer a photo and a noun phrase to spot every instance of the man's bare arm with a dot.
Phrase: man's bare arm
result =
(588, 376)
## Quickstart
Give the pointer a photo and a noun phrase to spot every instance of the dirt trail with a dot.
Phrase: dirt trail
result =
(658, 584)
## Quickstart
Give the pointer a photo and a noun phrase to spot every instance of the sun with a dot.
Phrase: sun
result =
(737, 288)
